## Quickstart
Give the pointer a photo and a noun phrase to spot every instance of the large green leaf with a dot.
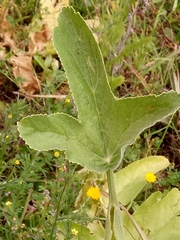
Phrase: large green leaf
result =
(105, 125)
(157, 216)
(130, 181)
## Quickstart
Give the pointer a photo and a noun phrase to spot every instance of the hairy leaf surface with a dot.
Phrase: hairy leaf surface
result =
(105, 125)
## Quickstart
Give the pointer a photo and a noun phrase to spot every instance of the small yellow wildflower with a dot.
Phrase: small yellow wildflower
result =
(9, 116)
(56, 154)
(94, 193)
(7, 137)
(74, 231)
(17, 162)
(8, 203)
(67, 100)
(150, 177)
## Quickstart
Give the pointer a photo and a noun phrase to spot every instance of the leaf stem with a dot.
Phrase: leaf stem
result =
(114, 225)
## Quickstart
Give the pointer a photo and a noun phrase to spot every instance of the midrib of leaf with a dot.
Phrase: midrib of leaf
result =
(96, 97)
(94, 101)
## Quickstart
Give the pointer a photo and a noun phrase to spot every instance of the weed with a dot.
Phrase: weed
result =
(43, 196)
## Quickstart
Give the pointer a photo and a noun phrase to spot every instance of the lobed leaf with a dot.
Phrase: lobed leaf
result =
(158, 216)
(105, 125)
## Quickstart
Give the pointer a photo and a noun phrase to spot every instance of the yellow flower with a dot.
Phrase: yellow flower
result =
(67, 100)
(74, 231)
(8, 203)
(17, 162)
(56, 154)
(9, 116)
(7, 137)
(94, 193)
(150, 177)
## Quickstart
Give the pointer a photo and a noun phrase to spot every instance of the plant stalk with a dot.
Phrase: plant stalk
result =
(114, 226)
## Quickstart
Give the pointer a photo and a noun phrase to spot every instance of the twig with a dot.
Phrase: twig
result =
(139, 230)
(26, 206)
(121, 45)
(40, 95)
(139, 76)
